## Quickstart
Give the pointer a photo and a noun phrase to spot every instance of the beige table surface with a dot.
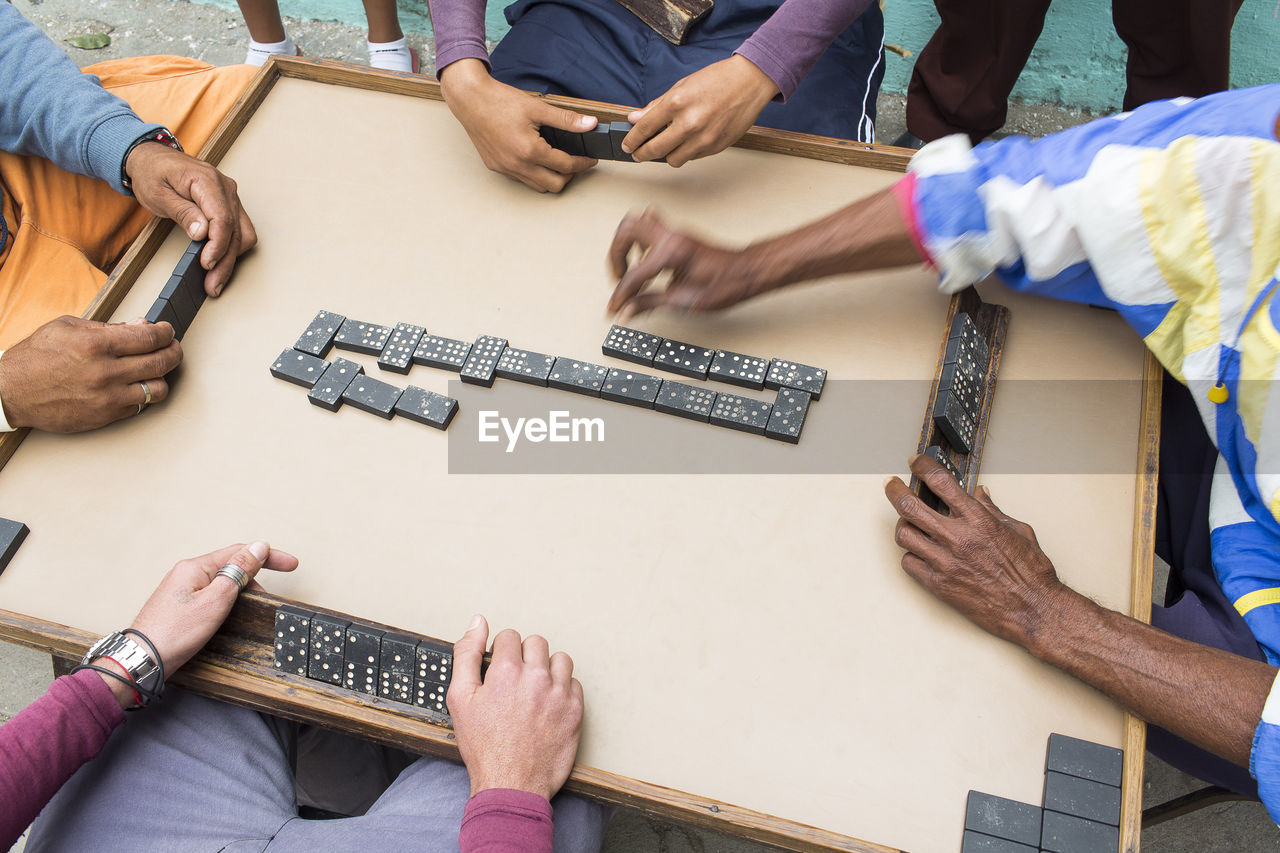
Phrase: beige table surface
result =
(743, 636)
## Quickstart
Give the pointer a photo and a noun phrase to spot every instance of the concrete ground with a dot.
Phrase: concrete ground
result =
(144, 27)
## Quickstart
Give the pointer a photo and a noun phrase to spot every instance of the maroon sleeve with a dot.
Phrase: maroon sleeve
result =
(787, 46)
(459, 30)
(45, 744)
(503, 820)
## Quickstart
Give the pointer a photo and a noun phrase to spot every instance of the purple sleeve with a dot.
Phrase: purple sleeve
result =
(503, 820)
(787, 46)
(45, 744)
(459, 30)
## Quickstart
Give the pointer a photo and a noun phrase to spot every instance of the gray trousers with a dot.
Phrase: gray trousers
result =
(197, 776)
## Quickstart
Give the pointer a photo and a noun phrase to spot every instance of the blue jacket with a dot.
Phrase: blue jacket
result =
(50, 109)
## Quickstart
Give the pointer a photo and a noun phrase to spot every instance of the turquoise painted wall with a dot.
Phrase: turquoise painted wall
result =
(1078, 61)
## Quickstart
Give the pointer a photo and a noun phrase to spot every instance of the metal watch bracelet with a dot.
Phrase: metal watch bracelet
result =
(131, 655)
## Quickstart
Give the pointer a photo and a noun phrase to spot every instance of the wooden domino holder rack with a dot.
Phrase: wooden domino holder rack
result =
(781, 733)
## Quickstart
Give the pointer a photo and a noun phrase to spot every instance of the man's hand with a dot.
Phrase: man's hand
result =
(198, 197)
(503, 124)
(73, 375)
(990, 568)
(519, 728)
(979, 560)
(703, 277)
(191, 602)
(701, 115)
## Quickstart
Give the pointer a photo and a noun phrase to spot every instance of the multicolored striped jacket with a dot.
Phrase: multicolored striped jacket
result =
(1171, 215)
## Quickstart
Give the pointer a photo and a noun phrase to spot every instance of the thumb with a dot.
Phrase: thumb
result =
(185, 212)
(250, 559)
(566, 119)
(468, 653)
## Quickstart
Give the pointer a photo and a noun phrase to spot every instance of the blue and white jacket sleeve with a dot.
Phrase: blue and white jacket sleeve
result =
(50, 109)
(1171, 215)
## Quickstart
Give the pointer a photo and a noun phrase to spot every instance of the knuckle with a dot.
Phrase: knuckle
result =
(172, 356)
(938, 479)
(244, 559)
(89, 345)
(504, 669)
(99, 378)
(967, 549)
(159, 390)
(986, 525)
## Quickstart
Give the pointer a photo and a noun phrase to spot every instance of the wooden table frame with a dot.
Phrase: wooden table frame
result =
(217, 672)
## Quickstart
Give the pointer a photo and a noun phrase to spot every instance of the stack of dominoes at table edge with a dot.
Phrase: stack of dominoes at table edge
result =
(393, 665)
(183, 294)
(1081, 811)
(957, 408)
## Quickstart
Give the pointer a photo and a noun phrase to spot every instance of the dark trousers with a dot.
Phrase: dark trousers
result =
(597, 49)
(963, 77)
(1195, 608)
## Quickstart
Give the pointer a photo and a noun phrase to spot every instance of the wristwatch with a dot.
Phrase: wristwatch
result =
(131, 656)
(162, 136)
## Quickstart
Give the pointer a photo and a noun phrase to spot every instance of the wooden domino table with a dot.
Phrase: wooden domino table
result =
(754, 659)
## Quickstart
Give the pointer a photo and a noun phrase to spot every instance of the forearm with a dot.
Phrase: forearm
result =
(869, 234)
(459, 32)
(1204, 695)
(787, 46)
(47, 742)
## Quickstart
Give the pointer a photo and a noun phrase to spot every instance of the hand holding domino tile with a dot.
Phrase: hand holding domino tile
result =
(517, 726)
(503, 124)
(702, 114)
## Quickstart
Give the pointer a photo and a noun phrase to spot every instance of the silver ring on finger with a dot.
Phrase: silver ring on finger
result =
(146, 396)
(237, 575)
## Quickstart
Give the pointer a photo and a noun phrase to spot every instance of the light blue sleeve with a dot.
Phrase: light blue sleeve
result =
(49, 109)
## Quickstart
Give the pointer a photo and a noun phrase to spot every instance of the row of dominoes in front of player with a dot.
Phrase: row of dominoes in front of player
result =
(490, 357)
(394, 666)
(183, 294)
(957, 408)
(603, 142)
(1081, 811)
